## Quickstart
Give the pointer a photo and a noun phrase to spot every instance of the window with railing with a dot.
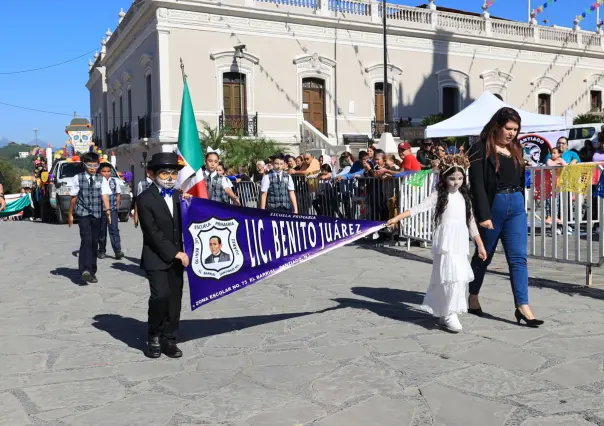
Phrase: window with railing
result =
(234, 118)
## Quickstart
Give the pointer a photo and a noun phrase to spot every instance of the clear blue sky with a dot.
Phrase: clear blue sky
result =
(47, 32)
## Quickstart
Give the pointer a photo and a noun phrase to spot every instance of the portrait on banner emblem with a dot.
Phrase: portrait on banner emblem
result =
(216, 251)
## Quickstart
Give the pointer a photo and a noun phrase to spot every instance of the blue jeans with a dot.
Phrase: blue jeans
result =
(114, 233)
(510, 225)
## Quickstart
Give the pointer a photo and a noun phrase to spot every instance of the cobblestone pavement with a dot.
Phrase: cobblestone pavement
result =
(336, 341)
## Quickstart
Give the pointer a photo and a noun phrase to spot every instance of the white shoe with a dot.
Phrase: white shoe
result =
(451, 323)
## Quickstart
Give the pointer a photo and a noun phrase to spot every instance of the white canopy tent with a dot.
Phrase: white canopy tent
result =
(471, 120)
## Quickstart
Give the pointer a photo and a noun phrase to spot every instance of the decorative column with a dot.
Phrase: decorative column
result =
(375, 12)
(121, 16)
(433, 12)
(323, 7)
(577, 29)
(487, 19)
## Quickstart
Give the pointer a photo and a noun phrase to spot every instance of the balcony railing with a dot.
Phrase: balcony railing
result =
(377, 127)
(120, 135)
(243, 125)
(144, 126)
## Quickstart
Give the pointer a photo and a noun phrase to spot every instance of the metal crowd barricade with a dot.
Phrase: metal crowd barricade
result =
(367, 198)
(562, 227)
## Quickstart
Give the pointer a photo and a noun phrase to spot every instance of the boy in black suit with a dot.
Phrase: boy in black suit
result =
(163, 258)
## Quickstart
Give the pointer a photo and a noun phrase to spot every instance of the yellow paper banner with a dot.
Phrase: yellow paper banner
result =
(575, 178)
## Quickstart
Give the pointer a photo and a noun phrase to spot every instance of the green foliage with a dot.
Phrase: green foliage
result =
(587, 118)
(432, 119)
(10, 152)
(12, 176)
(238, 151)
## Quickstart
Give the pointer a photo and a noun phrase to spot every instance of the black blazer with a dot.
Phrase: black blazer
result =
(162, 232)
(483, 180)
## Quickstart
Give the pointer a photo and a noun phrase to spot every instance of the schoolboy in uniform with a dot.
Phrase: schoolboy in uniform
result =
(87, 190)
(163, 258)
(277, 188)
(114, 203)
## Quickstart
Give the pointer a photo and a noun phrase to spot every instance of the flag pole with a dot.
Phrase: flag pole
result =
(182, 70)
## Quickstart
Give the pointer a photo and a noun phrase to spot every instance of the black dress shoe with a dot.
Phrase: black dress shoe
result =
(169, 348)
(101, 255)
(86, 277)
(93, 279)
(534, 323)
(153, 348)
(119, 255)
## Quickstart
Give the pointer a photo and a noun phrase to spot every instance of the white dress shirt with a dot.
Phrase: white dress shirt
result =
(167, 199)
(266, 182)
(75, 185)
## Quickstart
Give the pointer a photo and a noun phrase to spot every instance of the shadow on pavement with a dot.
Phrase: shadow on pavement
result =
(570, 289)
(391, 303)
(134, 332)
(72, 274)
(132, 269)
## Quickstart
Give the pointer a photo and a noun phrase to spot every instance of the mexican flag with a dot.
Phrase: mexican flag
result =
(191, 177)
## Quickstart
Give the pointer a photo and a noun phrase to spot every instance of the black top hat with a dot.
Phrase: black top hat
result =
(168, 160)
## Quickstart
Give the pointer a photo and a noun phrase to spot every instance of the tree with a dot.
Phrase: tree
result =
(432, 119)
(587, 119)
(238, 151)
(12, 176)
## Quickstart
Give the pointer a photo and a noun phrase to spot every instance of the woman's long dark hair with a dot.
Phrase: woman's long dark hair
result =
(489, 134)
(443, 195)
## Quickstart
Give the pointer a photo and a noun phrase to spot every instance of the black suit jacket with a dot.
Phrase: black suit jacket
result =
(483, 180)
(162, 232)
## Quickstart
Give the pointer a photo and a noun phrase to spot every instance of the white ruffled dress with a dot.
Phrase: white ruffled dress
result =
(451, 270)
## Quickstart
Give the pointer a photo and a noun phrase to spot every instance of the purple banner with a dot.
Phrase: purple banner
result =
(233, 247)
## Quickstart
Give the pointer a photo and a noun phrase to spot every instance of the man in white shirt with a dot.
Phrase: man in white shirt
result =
(277, 188)
(89, 191)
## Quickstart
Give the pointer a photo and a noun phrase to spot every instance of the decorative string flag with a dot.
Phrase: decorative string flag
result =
(575, 178)
(540, 9)
(591, 8)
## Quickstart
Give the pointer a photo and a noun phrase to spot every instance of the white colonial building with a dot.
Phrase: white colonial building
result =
(312, 71)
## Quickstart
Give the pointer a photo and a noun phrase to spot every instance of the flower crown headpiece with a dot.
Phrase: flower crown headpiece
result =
(451, 161)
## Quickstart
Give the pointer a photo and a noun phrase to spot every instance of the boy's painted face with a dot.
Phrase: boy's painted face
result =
(278, 164)
(454, 181)
(91, 168)
(212, 162)
(106, 172)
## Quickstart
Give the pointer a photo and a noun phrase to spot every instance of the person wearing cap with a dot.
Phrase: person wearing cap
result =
(163, 258)
(424, 154)
(410, 163)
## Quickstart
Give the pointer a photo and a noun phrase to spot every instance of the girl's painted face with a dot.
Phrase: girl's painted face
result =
(507, 133)
(454, 181)
(212, 162)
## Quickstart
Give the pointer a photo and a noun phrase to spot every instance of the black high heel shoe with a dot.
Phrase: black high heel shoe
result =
(529, 322)
(478, 311)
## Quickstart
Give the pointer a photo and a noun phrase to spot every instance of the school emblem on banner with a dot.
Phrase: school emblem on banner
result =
(216, 251)
(536, 149)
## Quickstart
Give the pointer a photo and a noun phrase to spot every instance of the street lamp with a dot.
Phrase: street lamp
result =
(144, 162)
(239, 53)
(385, 69)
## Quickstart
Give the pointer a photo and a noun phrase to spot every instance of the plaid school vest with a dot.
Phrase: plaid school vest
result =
(278, 195)
(89, 197)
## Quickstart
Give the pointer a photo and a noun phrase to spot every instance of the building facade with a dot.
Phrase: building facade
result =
(310, 72)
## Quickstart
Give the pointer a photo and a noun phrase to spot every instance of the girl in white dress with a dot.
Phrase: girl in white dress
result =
(451, 271)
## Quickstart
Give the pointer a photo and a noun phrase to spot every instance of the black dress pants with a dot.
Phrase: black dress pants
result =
(90, 227)
(165, 301)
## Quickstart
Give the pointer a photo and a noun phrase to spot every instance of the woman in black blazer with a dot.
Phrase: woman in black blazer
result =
(497, 185)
